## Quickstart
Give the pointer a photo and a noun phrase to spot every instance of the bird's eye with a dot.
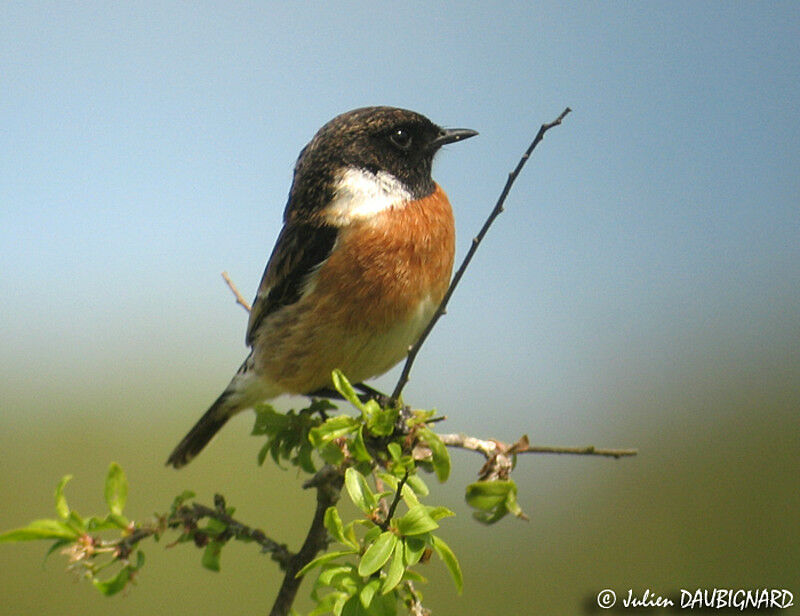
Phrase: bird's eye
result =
(400, 138)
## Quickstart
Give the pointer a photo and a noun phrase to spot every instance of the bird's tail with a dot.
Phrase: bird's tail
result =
(243, 392)
(203, 431)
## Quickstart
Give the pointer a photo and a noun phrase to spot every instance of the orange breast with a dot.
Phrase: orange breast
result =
(370, 301)
(387, 264)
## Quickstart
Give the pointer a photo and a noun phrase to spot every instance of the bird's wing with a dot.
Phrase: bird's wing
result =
(300, 249)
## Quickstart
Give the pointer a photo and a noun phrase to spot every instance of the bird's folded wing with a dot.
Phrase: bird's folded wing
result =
(301, 248)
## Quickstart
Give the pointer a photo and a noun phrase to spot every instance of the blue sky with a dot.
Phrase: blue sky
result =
(642, 288)
(146, 147)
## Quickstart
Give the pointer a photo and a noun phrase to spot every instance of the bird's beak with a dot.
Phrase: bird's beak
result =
(451, 135)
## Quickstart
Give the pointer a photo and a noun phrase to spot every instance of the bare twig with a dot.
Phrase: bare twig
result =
(489, 447)
(239, 299)
(498, 208)
(589, 450)
(499, 455)
(328, 481)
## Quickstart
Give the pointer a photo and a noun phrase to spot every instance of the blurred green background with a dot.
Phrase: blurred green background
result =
(642, 289)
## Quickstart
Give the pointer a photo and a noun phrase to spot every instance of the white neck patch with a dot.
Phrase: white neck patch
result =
(360, 194)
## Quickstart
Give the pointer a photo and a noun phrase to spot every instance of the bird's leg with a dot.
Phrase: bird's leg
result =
(367, 393)
(325, 392)
(370, 393)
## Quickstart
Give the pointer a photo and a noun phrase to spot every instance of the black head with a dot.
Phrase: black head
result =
(374, 139)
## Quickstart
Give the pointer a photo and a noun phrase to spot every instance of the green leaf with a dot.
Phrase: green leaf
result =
(381, 605)
(359, 491)
(450, 561)
(269, 421)
(368, 592)
(76, 522)
(108, 522)
(322, 559)
(418, 485)
(331, 429)
(413, 576)
(485, 517)
(331, 453)
(395, 451)
(117, 521)
(353, 607)
(327, 604)
(513, 506)
(414, 549)
(343, 577)
(487, 495)
(350, 532)
(494, 500)
(115, 584)
(343, 386)
(384, 605)
(304, 458)
(211, 555)
(416, 521)
(378, 553)
(437, 513)
(395, 571)
(215, 527)
(372, 534)
(57, 545)
(333, 523)
(180, 499)
(440, 457)
(358, 449)
(116, 489)
(262, 453)
(40, 529)
(62, 509)
(380, 421)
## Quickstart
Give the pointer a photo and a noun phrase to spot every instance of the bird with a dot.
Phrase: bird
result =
(360, 265)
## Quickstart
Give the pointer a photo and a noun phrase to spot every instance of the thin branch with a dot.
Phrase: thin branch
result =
(280, 552)
(490, 447)
(187, 517)
(393, 506)
(239, 299)
(589, 450)
(500, 456)
(498, 208)
(328, 482)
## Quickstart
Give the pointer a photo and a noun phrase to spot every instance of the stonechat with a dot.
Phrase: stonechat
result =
(360, 266)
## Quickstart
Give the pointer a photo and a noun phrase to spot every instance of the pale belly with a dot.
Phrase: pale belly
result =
(302, 358)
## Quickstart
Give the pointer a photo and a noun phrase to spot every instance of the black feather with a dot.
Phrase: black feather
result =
(202, 432)
(299, 250)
